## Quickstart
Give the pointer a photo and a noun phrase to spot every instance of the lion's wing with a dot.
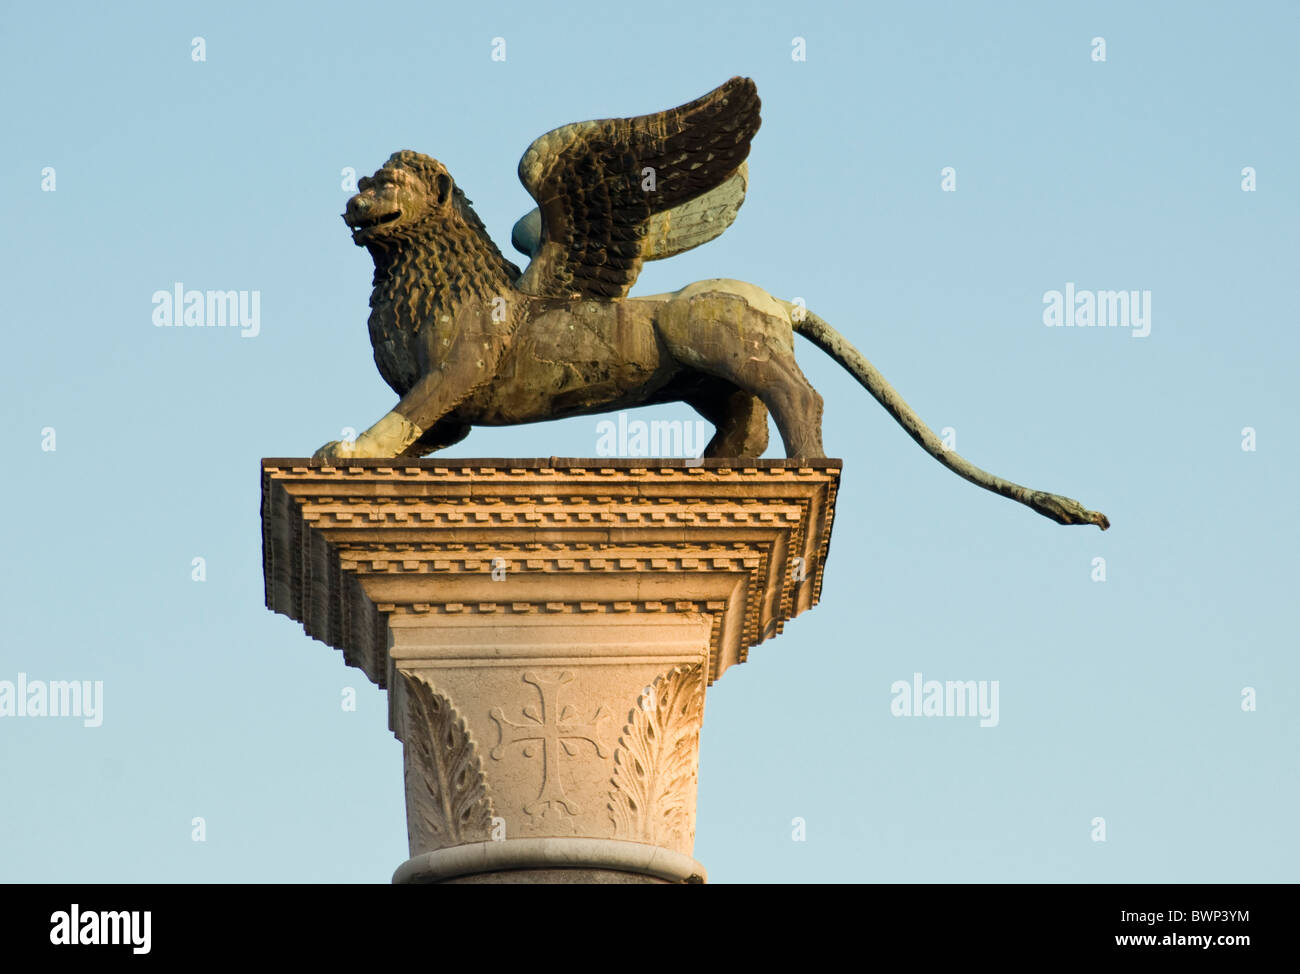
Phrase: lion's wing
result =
(608, 192)
(668, 233)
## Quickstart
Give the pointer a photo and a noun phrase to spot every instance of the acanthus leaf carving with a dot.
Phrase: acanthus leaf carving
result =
(449, 804)
(656, 761)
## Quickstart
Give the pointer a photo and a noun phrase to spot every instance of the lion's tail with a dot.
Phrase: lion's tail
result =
(1063, 510)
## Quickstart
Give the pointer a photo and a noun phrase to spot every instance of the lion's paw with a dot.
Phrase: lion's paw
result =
(335, 450)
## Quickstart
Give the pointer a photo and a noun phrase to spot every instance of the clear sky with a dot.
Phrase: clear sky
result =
(1119, 700)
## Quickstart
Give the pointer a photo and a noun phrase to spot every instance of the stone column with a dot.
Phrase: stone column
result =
(546, 630)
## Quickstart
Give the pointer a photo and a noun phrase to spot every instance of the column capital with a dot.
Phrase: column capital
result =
(546, 630)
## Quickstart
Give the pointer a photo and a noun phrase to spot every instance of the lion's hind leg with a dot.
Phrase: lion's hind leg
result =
(740, 334)
(739, 418)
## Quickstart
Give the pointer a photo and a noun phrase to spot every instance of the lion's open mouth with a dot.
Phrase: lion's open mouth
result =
(367, 224)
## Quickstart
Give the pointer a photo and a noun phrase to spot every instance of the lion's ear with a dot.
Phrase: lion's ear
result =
(443, 188)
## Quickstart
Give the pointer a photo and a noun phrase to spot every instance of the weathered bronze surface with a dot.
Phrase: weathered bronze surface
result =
(466, 339)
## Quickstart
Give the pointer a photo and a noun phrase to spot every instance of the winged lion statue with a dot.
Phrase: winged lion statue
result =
(465, 338)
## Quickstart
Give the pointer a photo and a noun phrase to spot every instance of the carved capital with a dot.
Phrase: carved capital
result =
(547, 629)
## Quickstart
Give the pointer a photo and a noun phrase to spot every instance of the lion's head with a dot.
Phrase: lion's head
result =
(406, 192)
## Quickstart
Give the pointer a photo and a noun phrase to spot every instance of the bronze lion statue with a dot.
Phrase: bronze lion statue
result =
(465, 338)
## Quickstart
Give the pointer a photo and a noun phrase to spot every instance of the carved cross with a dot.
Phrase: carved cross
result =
(555, 727)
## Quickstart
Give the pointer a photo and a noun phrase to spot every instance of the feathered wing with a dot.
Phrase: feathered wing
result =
(669, 232)
(616, 192)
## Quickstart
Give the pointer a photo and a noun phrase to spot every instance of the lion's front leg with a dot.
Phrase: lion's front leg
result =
(392, 436)
(417, 425)
(420, 422)
(439, 436)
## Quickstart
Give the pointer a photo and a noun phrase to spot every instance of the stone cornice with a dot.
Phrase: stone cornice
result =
(348, 549)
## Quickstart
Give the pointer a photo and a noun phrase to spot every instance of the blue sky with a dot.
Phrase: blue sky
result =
(1119, 699)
